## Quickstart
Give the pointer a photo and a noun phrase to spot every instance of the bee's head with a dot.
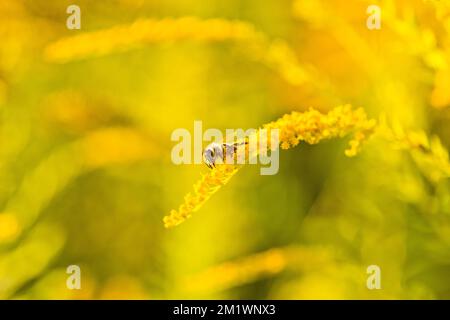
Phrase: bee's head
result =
(211, 153)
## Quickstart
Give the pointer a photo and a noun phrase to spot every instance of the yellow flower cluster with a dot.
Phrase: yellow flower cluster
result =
(124, 37)
(310, 126)
(257, 266)
(276, 54)
(209, 184)
(429, 154)
(313, 126)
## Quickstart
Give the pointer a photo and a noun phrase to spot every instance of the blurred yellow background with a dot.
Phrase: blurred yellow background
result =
(86, 175)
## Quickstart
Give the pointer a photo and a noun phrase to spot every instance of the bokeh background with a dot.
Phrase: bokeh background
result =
(86, 175)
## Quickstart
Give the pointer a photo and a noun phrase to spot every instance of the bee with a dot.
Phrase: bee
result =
(216, 153)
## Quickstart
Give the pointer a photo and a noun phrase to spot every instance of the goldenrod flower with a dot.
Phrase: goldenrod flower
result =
(209, 184)
(257, 266)
(275, 54)
(428, 153)
(313, 126)
(310, 126)
(127, 36)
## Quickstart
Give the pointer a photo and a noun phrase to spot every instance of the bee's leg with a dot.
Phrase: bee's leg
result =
(238, 144)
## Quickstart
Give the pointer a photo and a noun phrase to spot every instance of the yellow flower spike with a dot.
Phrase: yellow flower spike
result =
(258, 266)
(429, 154)
(310, 126)
(275, 54)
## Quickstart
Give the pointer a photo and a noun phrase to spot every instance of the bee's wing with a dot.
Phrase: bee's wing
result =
(229, 149)
(233, 146)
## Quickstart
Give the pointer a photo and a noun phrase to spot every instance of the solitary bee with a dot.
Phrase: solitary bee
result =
(219, 152)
